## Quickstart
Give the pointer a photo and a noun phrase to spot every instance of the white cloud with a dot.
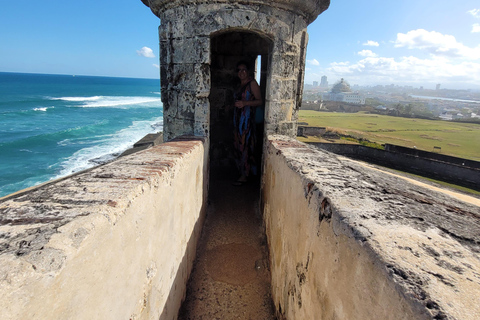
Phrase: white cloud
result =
(476, 28)
(371, 43)
(367, 53)
(146, 52)
(450, 62)
(156, 66)
(407, 70)
(475, 13)
(314, 62)
(436, 44)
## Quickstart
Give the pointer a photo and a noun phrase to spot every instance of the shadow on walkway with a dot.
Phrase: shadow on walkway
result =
(230, 277)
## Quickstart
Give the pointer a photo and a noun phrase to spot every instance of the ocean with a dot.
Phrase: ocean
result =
(55, 125)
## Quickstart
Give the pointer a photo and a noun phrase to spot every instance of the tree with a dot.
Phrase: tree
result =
(408, 109)
(399, 109)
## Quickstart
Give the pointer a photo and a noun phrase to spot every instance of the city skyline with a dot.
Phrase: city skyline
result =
(328, 84)
(417, 43)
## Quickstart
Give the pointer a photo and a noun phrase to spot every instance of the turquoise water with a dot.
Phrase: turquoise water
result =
(55, 125)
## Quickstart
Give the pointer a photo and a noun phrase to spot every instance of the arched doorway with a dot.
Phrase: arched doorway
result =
(227, 49)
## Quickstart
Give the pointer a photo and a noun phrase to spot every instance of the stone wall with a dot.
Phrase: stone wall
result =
(311, 131)
(114, 242)
(311, 105)
(423, 163)
(186, 32)
(349, 242)
(346, 241)
(433, 155)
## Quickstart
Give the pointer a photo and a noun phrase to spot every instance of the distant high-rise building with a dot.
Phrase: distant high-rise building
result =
(324, 82)
(437, 87)
(315, 83)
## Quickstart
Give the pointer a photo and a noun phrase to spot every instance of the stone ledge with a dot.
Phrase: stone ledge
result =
(150, 140)
(113, 242)
(424, 244)
(466, 176)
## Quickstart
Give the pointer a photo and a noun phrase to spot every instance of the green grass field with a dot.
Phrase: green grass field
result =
(456, 139)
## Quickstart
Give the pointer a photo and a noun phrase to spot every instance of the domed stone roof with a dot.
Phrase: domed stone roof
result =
(341, 86)
(310, 9)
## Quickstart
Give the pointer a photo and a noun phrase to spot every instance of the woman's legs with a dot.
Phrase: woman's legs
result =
(244, 140)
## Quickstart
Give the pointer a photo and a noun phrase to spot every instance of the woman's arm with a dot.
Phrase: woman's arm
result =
(256, 93)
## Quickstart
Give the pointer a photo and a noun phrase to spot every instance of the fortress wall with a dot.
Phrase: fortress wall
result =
(350, 242)
(433, 155)
(423, 164)
(346, 241)
(114, 242)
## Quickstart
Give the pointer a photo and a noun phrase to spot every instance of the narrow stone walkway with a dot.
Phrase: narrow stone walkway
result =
(230, 277)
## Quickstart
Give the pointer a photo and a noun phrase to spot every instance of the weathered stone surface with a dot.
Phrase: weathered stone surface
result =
(186, 31)
(287, 65)
(202, 80)
(309, 9)
(202, 116)
(182, 77)
(348, 241)
(151, 139)
(283, 90)
(114, 242)
(191, 50)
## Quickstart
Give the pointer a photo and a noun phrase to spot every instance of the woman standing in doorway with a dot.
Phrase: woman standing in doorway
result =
(247, 98)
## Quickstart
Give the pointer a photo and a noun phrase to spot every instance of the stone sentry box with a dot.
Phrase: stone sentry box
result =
(228, 48)
(200, 44)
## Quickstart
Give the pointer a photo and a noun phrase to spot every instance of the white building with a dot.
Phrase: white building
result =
(341, 92)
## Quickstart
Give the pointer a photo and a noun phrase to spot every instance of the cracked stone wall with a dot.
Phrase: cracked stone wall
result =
(348, 241)
(186, 32)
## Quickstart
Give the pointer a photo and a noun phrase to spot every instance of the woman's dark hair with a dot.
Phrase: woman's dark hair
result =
(245, 63)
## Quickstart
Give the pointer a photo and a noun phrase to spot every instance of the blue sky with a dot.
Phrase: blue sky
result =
(422, 42)
(87, 37)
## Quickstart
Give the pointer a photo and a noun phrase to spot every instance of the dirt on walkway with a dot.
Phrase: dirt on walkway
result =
(230, 277)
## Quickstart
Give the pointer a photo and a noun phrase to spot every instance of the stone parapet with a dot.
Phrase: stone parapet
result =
(349, 242)
(424, 164)
(114, 242)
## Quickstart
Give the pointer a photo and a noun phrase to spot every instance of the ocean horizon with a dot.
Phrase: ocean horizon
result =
(55, 125)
